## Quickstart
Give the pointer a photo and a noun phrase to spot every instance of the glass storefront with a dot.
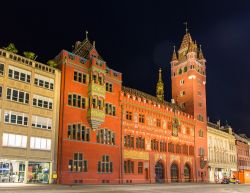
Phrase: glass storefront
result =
(11, 171)
(38, 172)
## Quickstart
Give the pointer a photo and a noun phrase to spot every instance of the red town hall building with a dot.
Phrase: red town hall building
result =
(113, 134)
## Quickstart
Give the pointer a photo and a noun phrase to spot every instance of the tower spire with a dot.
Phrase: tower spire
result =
(86, 35)
(174, 56)
(201, 56)
(186, 27)
(160, 87)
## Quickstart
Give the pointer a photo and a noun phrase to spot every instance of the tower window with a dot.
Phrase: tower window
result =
(129, 115)
(200, 104)
(182, 93)
(181, 82)
(200, 117)
(141, 118)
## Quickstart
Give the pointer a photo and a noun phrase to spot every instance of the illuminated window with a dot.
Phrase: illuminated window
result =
(12, 140)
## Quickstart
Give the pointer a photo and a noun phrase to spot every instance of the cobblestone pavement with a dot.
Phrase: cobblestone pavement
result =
(145, 188)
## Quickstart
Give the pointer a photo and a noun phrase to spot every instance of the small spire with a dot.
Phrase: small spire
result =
(186, 27)
(94, 44)
(201, 56)
(174, 56)
(160, 76)
(86, 35)
(160, 87)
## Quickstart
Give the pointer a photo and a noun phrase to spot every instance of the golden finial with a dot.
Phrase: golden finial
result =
(186, 29)
(94, 44)
(86, 34)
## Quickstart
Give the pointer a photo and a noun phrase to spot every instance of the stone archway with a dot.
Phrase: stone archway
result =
(159, 172)
(187, 173)
(174, 172)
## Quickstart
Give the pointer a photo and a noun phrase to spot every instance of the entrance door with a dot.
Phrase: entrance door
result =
(187, 173)
(174, 173)
(159, 172)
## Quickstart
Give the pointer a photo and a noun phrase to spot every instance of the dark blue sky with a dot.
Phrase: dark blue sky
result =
(137, 37)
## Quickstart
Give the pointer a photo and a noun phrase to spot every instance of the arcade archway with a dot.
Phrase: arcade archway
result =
(174, 173)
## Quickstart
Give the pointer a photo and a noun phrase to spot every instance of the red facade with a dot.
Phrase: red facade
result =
(110, 134)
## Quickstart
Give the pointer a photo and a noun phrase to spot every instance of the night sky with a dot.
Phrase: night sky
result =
(137, 37)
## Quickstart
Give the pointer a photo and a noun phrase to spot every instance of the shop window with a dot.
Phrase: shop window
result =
(140, 167)
(105, 165)
(38, 172)
(129, 166)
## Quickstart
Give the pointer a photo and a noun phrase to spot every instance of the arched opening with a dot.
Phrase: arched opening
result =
(174, 173)
(187, 173)
(159, 172)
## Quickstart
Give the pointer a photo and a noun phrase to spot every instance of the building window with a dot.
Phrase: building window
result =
(1, 91)
(40, 143)
(191, 150)
(105, 166)
(128, 166)
(163, 146)
(43, 81)
(12, 140)
(200, 133)
(19, 74)
(110, 109)
(140, 143)
(17, 95)
(178, 148)
(42, 102)
(15, 118)
(41, 122)
(78, 164)
(128, 115)
(185, 149)
(109, 87)
(105, 136)
(78, 132)
(76, 101)
(200, 104)
(80, 77)
(140, 167)
(171, 147)
(201, 151)
(129, 141)
(158, 123)
(141, 118)
(1, 69)
(200, 117)
(182, 93)
(181, 82)
(154, 145)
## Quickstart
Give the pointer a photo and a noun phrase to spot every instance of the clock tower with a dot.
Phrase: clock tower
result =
(188, 75)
